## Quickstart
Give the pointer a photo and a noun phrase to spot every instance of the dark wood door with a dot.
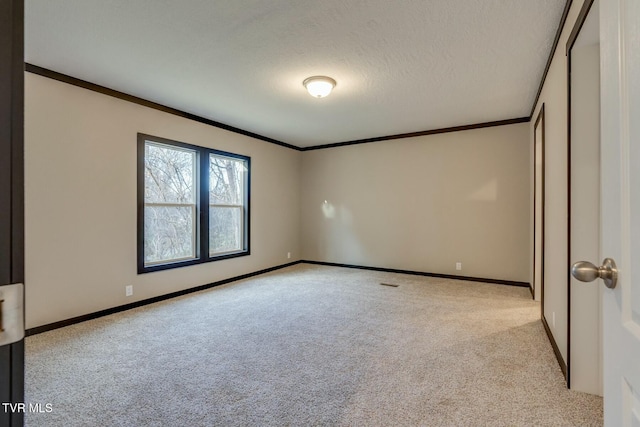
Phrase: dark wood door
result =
(11, 208)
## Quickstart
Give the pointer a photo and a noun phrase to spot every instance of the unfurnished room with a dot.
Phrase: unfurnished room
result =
(335, 213)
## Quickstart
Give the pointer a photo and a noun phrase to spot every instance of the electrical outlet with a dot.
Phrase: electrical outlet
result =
(553, 319)
(458, 266)
(288, 255)
(128, 290)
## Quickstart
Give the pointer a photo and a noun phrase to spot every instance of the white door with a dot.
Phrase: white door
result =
(620, 207)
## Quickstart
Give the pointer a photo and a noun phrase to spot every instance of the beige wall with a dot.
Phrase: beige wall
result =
(81, 201)
(554, 98)
(423, 203)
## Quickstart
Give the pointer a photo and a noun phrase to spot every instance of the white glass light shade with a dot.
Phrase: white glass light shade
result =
(319, 86)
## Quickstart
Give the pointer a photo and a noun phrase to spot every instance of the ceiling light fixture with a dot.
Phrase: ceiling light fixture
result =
(319, 86)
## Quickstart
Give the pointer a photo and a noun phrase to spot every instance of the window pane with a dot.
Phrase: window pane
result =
(168, 233)
(225, 229)
(226, 176)
(169, 175)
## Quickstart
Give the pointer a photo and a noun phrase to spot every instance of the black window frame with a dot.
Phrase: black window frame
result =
(202, 205)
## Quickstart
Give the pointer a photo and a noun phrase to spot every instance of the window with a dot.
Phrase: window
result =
(193, 204)
(169, 204)
(226, 204)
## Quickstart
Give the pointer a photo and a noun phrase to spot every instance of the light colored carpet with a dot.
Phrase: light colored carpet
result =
(310, 345)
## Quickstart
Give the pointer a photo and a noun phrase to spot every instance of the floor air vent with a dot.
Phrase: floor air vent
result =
(389, 284)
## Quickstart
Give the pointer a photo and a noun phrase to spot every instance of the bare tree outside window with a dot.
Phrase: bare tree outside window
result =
(226, 204)
(170, 203)
(193, 204)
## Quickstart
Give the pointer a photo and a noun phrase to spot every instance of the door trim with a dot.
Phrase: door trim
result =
(12, 191)
(539, 122)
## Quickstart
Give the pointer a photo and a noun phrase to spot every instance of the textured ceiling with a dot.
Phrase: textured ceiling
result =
(403, 66)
